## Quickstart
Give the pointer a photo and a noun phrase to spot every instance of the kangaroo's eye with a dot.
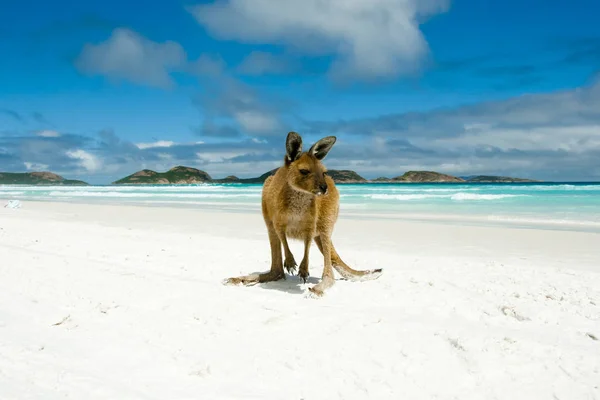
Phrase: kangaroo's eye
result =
(304, 171)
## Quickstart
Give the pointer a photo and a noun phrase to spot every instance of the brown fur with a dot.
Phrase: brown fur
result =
(301, 202)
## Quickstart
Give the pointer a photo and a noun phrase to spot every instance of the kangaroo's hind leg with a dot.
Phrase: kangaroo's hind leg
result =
(345, 270)
(276, 273)
(327, 279)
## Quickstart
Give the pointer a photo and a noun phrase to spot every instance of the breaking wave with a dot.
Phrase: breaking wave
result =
(152, 195)
(461, 196)
(473, 196)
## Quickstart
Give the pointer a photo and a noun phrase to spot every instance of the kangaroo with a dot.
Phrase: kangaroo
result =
(300, 201)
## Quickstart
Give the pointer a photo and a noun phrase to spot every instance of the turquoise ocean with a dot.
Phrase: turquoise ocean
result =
(552, 205)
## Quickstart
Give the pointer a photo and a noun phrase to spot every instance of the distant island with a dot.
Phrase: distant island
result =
(187, 175)
(496, 179)
(36, 178)
(345, 176)
(174, 176)
(420, 177)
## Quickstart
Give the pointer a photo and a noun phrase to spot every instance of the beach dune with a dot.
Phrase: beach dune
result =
(127, 302)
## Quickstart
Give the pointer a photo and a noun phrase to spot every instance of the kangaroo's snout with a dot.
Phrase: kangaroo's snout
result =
(323, 188)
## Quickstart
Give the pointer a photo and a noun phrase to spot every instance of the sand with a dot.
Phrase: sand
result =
(124, 302)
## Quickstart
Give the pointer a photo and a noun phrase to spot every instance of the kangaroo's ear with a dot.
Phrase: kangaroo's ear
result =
(322, 147)
(293, 147)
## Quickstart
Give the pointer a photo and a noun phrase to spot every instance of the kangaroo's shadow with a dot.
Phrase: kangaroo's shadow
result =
(291, 284)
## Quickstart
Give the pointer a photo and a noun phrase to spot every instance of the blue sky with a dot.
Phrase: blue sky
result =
(99, 90)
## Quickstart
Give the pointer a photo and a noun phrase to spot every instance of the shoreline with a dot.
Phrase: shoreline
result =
(347, 211)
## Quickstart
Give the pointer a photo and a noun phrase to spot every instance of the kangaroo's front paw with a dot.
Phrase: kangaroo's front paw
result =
(303, 271)
(290, 265)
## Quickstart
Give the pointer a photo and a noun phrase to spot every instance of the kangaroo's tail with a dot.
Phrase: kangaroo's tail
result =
(345, 270)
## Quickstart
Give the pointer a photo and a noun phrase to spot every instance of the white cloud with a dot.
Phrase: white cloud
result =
(261, 63)
(130, 56)
(48, 133)
(229, 100)
(553, 136)
(35, 166)
(254, 121)
(369, 38)
(207, 65)
(218, 156)
(160, 143)
(87, 160)
(575, 139)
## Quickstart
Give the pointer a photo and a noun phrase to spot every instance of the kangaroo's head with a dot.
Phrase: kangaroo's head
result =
(305, 172)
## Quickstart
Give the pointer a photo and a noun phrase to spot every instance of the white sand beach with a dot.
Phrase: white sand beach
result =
(126, 302)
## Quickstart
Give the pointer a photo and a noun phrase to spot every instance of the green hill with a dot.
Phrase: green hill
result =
(36, 178)
(426, 176)
(497, 179)
(228, 179)
(176, 175)
(345, 176)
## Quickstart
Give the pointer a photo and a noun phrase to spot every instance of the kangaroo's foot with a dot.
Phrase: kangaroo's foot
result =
(290, 265)
(350, 274)
(319, 289)
(303, 272)
(253, 279)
